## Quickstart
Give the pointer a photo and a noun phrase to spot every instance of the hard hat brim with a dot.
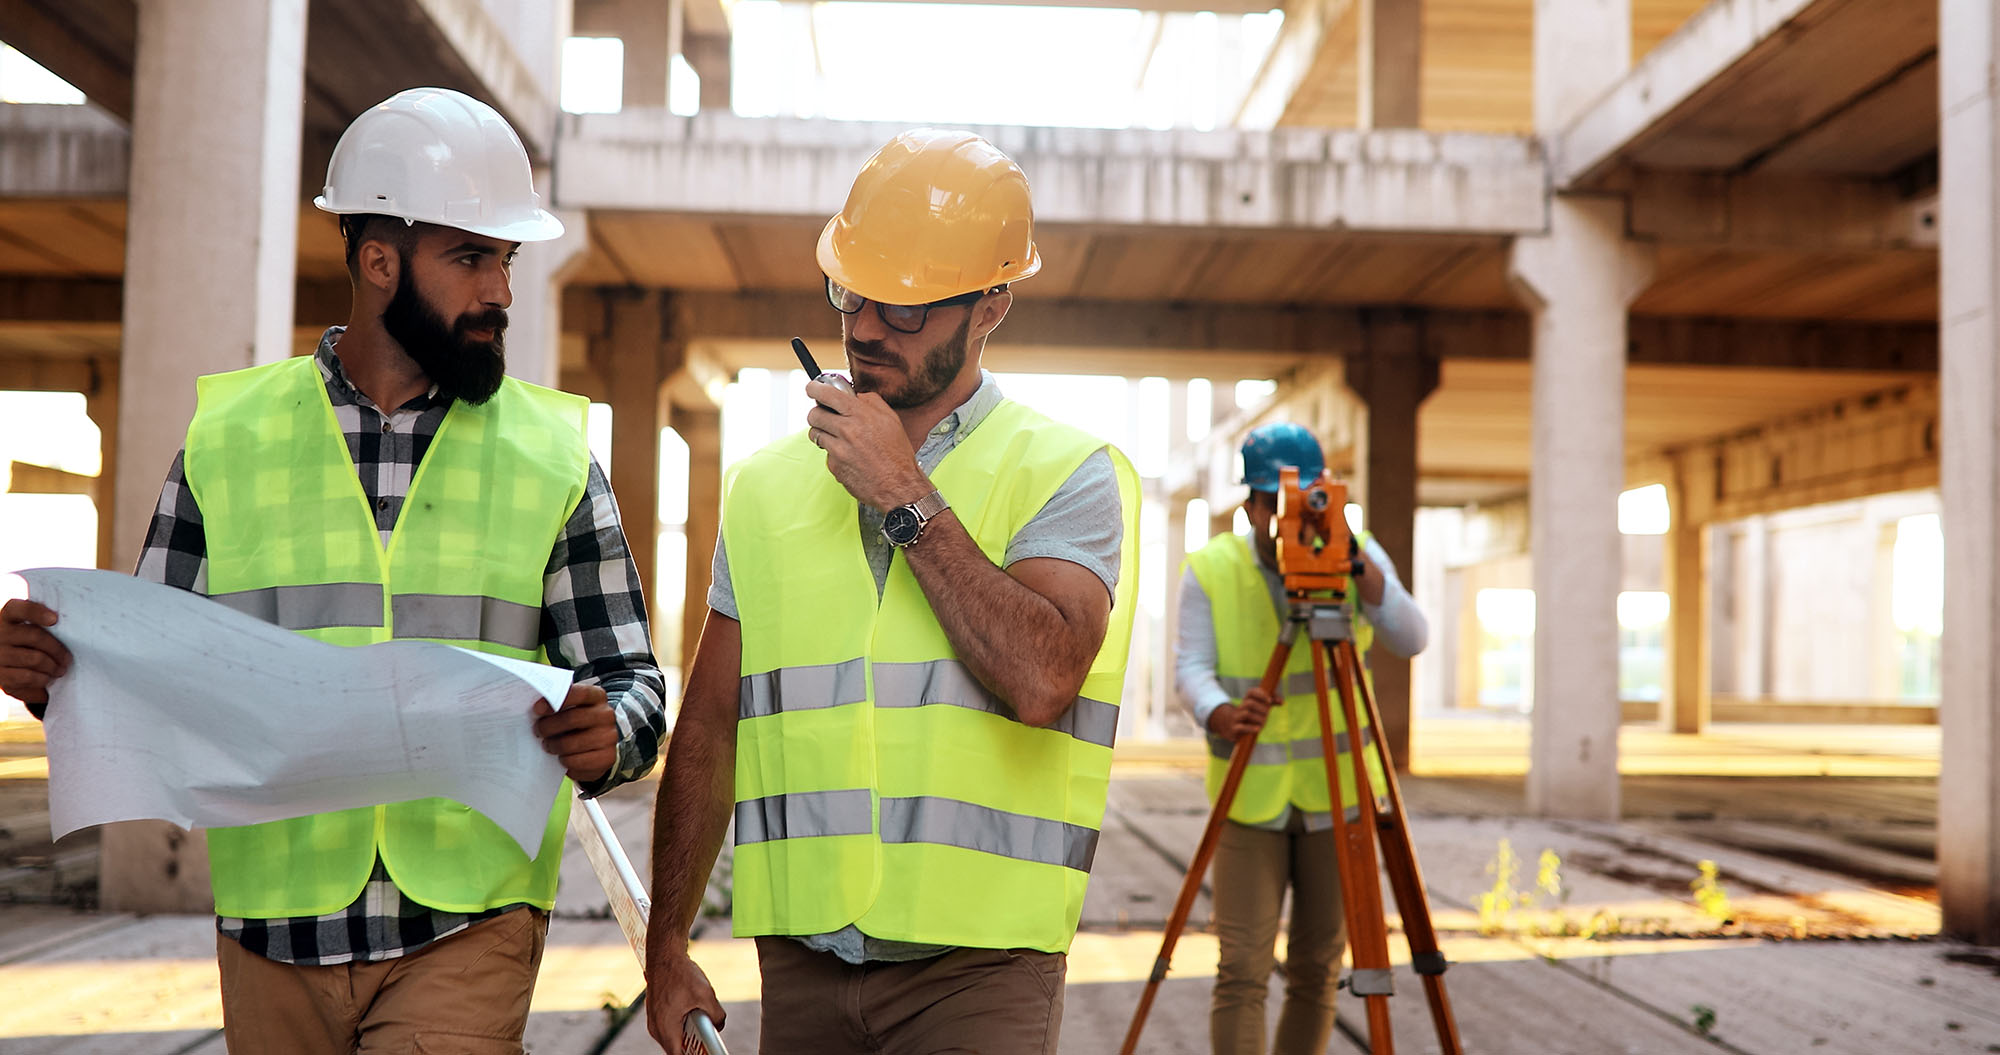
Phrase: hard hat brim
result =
(541, 226)
(895, 289)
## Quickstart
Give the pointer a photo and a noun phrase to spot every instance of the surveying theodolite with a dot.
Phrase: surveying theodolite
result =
(1316, 557)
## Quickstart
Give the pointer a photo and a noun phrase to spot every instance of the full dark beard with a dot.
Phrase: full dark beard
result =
(940, 368)
(460, 367)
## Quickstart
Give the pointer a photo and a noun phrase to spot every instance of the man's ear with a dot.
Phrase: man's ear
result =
(381, 266)
(987, 313)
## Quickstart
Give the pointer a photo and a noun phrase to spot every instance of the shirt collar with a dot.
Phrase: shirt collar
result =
(967, 415)
(335, 374)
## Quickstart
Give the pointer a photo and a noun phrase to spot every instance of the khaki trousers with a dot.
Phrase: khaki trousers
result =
(1252, 869)
(966, 1002)
(465, 995)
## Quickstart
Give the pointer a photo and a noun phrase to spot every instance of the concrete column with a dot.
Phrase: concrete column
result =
(1685, 699)
(701, 430)
(1582, 48)
(630, 360)
(1392, 375)
(1755, 607)
(1392, 34)
(1172, 554)
(708, 54)
(1969, 361)
(102, 406)
(534, 323)
(645, 27)
(1577, 281)
(215, 175)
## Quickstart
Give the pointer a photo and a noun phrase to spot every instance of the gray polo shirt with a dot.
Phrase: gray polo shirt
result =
(1082, 523)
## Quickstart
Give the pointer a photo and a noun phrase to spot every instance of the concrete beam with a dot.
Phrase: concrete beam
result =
(1783, 344)
(49, 151)
(86, 56)
(87, 376)
(1385, 181)
(27, 478)
(1876, 444)
(467, 31)
(1220, 7)
(1778, 211)
(1740, 44)
(33, 301)
(1313, 65)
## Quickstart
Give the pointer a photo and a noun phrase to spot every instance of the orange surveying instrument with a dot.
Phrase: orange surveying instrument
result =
(1316, 556)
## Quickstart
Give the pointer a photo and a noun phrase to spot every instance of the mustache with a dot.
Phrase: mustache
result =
(494, 319)
(876, 350)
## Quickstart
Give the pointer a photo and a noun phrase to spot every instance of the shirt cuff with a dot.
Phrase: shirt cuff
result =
(1206, 706)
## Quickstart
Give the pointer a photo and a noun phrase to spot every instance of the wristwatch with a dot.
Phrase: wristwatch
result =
(905, 524)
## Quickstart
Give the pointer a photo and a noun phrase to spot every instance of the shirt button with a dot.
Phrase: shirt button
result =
(385, 427)
(382, 504)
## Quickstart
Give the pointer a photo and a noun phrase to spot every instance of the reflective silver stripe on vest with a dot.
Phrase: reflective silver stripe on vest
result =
(949, 822)
(802, 688)
(457, 617)
(949, 682)
(313, 607)
(1297, 683)
(1275, 754)
(802, 815)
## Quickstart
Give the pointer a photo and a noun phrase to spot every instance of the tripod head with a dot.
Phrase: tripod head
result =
(1316, 552)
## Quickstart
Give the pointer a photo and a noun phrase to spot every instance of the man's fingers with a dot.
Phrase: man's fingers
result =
(576, 719)
(580, 743)
(28, 686)
(838, 400)
(30, 659)
(22, 610)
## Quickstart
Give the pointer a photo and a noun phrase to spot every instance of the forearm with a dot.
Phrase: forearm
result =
(1399, 624)
(1195, 653)
(690, 820)
(1015, 640)
(697, 786)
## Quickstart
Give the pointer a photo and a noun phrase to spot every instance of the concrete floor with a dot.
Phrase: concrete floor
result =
(1830, 944)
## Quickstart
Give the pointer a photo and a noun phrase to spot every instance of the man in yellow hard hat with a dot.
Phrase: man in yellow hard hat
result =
(910, 672)
(396, 484)
(1280, 829)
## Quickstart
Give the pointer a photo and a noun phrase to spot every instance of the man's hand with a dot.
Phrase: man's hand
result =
(583, 735)
(1234, 721)
(867, 449)
(676, 988)
(30, 656)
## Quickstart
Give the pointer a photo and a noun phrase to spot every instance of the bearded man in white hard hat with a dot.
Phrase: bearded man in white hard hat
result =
(396, 484)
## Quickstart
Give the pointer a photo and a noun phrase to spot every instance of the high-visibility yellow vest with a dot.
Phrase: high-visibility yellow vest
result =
(878, 783)
(1287, 766)
(291, 539)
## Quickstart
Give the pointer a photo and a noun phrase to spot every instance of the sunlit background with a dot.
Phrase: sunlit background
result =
(1099, 68)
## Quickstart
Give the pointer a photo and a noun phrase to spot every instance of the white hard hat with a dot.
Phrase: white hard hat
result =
(438, 156)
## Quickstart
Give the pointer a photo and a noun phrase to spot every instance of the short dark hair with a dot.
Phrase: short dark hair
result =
(361, 227)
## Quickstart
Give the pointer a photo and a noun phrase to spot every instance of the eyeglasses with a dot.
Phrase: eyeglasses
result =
(903, 318)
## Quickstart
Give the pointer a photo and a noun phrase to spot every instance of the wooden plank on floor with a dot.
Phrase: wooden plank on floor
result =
(1780, 997)
(154, 976)
(1525, 1005)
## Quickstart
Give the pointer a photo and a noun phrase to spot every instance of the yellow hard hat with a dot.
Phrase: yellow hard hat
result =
(932, 215)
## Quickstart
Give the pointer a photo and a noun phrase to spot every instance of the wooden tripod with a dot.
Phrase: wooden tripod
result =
(1327, 629)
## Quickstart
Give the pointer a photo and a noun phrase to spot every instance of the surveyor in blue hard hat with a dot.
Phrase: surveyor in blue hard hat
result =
(1280, 827)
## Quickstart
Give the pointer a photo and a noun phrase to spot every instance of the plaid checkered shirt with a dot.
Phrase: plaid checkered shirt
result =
(593, 621)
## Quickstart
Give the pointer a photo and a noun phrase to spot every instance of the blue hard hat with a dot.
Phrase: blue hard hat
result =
(1271, 447)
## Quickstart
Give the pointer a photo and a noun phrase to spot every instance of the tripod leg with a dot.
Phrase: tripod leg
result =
(1361, 887)
(1239, 760)
(1406, 880)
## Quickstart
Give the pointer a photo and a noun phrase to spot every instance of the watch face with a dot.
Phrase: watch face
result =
(900, 526)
